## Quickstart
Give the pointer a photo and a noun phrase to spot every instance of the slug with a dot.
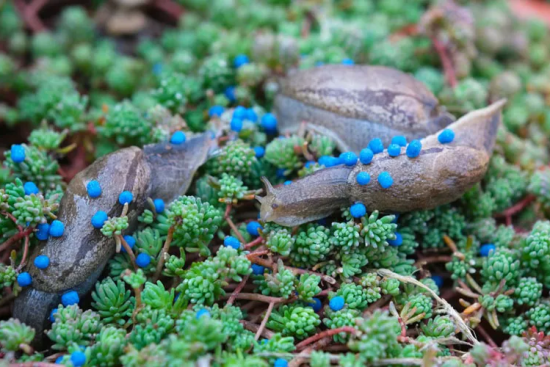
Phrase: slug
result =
(78, 257)
(356, 103)
(439, 175)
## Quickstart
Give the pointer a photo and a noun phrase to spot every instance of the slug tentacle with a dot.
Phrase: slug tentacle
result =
(439, 175)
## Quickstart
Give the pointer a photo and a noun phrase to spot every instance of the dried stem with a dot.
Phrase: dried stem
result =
(448, 68)
(29, 14)
(433, 259)
(237, 290)
(7, 299)
(264, 321)
(514, 209)
(163, 253)
(227, 217)
(448, 308)
(13, 219)
(319, 345)
(139, 305)
(255, 327)
(25, 252)
(324, 334)
(253, 257)
(260, 297)
(128, 251)
(15, 238)
(169, 7)
(376, 305)
(256, 242)
(486, 336)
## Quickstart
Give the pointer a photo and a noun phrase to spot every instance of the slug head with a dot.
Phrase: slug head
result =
(270, 204)
(310, 198)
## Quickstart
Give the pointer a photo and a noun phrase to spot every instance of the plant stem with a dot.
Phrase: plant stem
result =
(237, 290)
(128, 251)
(487, 337)
(514, 209)
(256, 242)
(169, 7)
(16, 237)
(227, 217)
(260, 297)
(264, 321)
(137, 291)
(378, 304)
(25, 252)
(29, 14)
(7, 299)
(433, 259)
(270, 264)
(165, 249)
(250, 326)
(331, 332)
(448, 68)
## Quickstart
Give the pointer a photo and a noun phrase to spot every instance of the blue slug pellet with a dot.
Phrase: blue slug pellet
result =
(376, 145)
(394, 150)
(366, 155)
(30, 188)
(159, 205)
(125, 197)
(99, 218)
(349, 158)
(70, 298)
(446, 136)
(178, 138)
(399, 140)
(94, 189)
(414, 148)
(385, 180)
(363, 178)
(337, 303)
(232, 242)
(358, 210)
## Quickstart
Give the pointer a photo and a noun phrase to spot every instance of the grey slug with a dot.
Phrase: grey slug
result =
(77, 258)
(439, 175)
(354, 104)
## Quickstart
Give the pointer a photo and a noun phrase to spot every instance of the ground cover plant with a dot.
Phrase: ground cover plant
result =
(201, 281)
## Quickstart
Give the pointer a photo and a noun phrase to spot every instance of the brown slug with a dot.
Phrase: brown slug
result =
(440, 174)
(162, 171)
(356, 103)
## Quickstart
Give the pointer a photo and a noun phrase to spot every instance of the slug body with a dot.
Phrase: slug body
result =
(439, 175)
(78, 257)
(354, 104)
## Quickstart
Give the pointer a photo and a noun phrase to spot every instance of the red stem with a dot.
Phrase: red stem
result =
(237, 291)
(264, 321)
(25, 252)
(314, 338)
(448, 67)
(129, 251)
(14, 220)
(487, 337)
(516, 208)
(256, 242)
(165, 249)
(232, 225)
(169, 7)
(29, 14)
(16, 237)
